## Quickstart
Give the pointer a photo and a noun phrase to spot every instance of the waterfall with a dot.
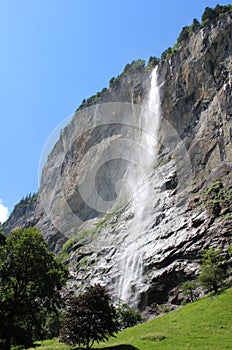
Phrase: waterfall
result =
(131, 259)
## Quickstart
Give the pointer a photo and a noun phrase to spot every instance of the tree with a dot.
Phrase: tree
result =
(188, 290)
(89, 317)
(195, 25)
(184, 34)
(208, 15)
(30, 283)
(126, 316)
(2, 238)
(212, 273)
(152, 62)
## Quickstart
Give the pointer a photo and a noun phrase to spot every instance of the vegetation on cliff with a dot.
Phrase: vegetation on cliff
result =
(20, 209)
(209, 16)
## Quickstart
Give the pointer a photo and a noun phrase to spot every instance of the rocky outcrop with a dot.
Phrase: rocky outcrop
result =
(177, 222)
(23, 214)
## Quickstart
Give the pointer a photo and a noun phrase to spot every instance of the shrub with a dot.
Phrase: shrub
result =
(126, 316)
(188, 290)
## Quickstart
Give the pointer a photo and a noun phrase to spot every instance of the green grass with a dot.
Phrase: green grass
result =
(203, 325)
(51, 345)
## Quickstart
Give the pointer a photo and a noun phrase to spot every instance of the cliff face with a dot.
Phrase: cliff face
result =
(146, 262)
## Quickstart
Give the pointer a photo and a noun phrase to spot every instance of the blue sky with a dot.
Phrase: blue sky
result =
(55, 53)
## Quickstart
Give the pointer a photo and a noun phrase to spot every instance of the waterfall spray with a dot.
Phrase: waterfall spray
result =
(131, 261)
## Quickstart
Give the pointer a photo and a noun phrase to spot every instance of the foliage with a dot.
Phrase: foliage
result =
(92, 99)
(152, 62)
(2, 238)
(211, 14)
(217, 194)
(136, 66)
(26, 201)
(84, 234)
(30, 280)
(90, 317)
(20, 208)
(126, 316)
(208, 16)
(214, 187)
(188, 290)
(167, 53)
(205, 324)
(227, 217)
(195, 26)
(67, 246)
(212, 274)
(52, 324)
(184, 34)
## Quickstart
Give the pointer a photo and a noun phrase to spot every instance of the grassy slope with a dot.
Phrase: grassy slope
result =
(205, 324)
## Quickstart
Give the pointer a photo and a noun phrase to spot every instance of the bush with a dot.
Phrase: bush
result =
(188, 290)
(126, 316)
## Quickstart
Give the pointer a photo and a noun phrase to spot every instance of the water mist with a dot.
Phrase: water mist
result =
(131, 259)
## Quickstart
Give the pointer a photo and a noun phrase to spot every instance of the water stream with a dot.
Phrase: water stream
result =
(131, 259)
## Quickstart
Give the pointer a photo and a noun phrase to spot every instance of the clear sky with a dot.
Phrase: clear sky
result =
(55, 53)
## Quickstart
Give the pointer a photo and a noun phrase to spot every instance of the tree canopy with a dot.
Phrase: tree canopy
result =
(89, 317)
(30, 281)
(212, 274)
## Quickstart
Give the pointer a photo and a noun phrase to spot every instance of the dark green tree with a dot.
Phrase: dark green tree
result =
(195, 26)
(2, 238)
(152, 62)
(208, 15)
(126, 316)
(184, 34)
(30, 283)
(90, 317)
(212, 273)
(136, 66)
(167, 53)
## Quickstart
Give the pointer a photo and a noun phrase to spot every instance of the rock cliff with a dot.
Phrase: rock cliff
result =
(188, 206)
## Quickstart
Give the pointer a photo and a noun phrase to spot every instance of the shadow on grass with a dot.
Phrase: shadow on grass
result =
(119, 347)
